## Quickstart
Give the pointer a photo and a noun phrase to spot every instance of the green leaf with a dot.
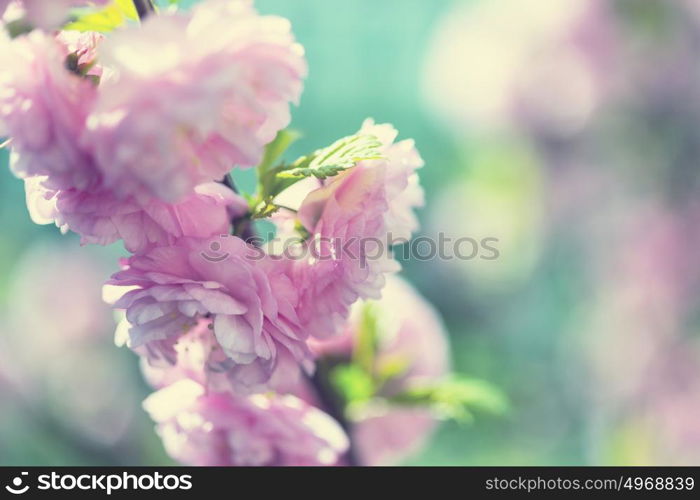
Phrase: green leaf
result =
(367, 341)
(356, 381)
(274, 177)
(353, 383)
(104, 20)
(275, 149)
(264, 209)
(269, 185)
(456, 398)
(301, 230)
(18, 27)
(389, 367)
(339, 156)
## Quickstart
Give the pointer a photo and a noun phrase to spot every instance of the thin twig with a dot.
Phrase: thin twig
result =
(144, 8)
(228, 182)
(242, 225)
(284, 207)
(328, 398)
(332, 403)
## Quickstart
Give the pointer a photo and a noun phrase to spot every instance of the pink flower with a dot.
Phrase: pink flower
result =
(350, 219)
(207, 429)
(411, 333)
(43, 107)
(257, 341)
(192, 95)
(82, 46)
(101, 218)
(551, 74)
(403, 191)
(48, 14)
(197, 355)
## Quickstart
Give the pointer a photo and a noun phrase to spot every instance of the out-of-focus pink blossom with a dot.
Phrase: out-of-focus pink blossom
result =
(410, 333)
(68, 314)
(201, 428)
(43, 108)
(57, 331)
(101, 218)
(192, 95)
(350, 219)
(550, 71)
(47, 14)
(670, 404)
(257, 339)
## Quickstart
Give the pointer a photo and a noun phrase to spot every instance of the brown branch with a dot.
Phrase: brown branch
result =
(333, 404)
(144, 8)
(328, 398)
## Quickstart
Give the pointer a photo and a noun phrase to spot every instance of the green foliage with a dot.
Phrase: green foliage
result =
(274, 176)
(358, 381)
(353, 383)
(18, 27)
(269, 183)
(367, 341)
(390, 367)
(106, 19)
(361, 381)
(455, 398)
(274, 150)
(341, 155)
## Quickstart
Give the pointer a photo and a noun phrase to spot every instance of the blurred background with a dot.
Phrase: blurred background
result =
(567, 129)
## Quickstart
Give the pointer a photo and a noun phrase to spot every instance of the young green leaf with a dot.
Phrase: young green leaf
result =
(269, 185)
(275, 149)
(353, 383)
(104, 20)
(275, 176)
(339, 156)
(365, 351)
(455, 398)
(392, 366)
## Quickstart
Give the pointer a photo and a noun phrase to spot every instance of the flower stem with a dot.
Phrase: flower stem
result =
(242, 226)
(328, 398)
(332, 403)
(144, 8)
(228, 182)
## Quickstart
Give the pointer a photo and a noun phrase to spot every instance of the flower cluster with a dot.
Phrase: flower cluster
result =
(203, 428)
(103, 150)
(410, 336)
(131, 135)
